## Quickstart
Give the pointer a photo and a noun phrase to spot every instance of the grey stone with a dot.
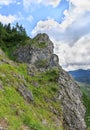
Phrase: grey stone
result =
(31, 54)
(25, 92)
(73, 108)
(35, 84)
(1, 128)
(1, 86)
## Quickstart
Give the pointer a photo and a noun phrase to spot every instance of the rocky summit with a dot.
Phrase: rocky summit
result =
(36, 93)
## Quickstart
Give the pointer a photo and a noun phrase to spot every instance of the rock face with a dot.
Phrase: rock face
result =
(32, 53)
(70, 96)
(25, 93)
(40, 54)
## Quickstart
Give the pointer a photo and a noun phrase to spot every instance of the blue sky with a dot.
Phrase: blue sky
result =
(67, 22)
(30, 15)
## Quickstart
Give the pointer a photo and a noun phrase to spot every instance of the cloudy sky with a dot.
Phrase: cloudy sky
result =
(67, 22)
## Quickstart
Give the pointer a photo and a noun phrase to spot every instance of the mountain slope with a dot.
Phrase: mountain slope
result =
(81, 75)
(19, 108)
(36, 93)
(40, 54)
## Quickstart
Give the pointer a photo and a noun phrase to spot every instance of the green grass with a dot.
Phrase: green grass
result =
(16, 111)
(86, 98)
(41, 45)
(41, 63)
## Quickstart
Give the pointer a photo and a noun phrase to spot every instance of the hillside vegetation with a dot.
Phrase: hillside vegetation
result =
(11, 37)
(41, 112)
(35, 92)
(19, 111)
(86, 98)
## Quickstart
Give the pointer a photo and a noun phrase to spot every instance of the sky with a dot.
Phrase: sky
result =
(67, 22)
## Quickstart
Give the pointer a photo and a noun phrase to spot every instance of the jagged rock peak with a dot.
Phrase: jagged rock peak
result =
(43, 38)
(38, 52)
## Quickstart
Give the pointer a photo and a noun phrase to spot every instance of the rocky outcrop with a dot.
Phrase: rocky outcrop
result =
(22, 89)
(39, 53)
(38, 50)
(70, 96)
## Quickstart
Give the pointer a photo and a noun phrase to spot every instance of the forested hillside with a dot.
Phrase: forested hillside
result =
(12, 37)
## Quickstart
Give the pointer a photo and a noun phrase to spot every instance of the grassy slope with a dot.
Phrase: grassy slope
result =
(86, 98)
(15, 112)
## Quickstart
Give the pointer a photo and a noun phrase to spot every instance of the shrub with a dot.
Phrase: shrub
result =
(52, 74)
(41, 63)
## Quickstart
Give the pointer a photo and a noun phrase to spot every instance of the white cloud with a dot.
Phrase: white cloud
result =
(30, 18)
(47, 26)
(76, 11)
(7, 19)
(19, 3)
(6, 2)
(53, 3)
(76, 56)
(71, 37)
(82, 6)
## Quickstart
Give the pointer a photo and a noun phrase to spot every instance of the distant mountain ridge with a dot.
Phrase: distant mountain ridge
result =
(81, 75)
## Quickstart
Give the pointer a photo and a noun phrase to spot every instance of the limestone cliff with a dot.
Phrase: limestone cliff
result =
(38, 53)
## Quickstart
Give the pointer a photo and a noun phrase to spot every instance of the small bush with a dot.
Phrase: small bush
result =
(41, 63)
(52, 74)
(42, 45)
